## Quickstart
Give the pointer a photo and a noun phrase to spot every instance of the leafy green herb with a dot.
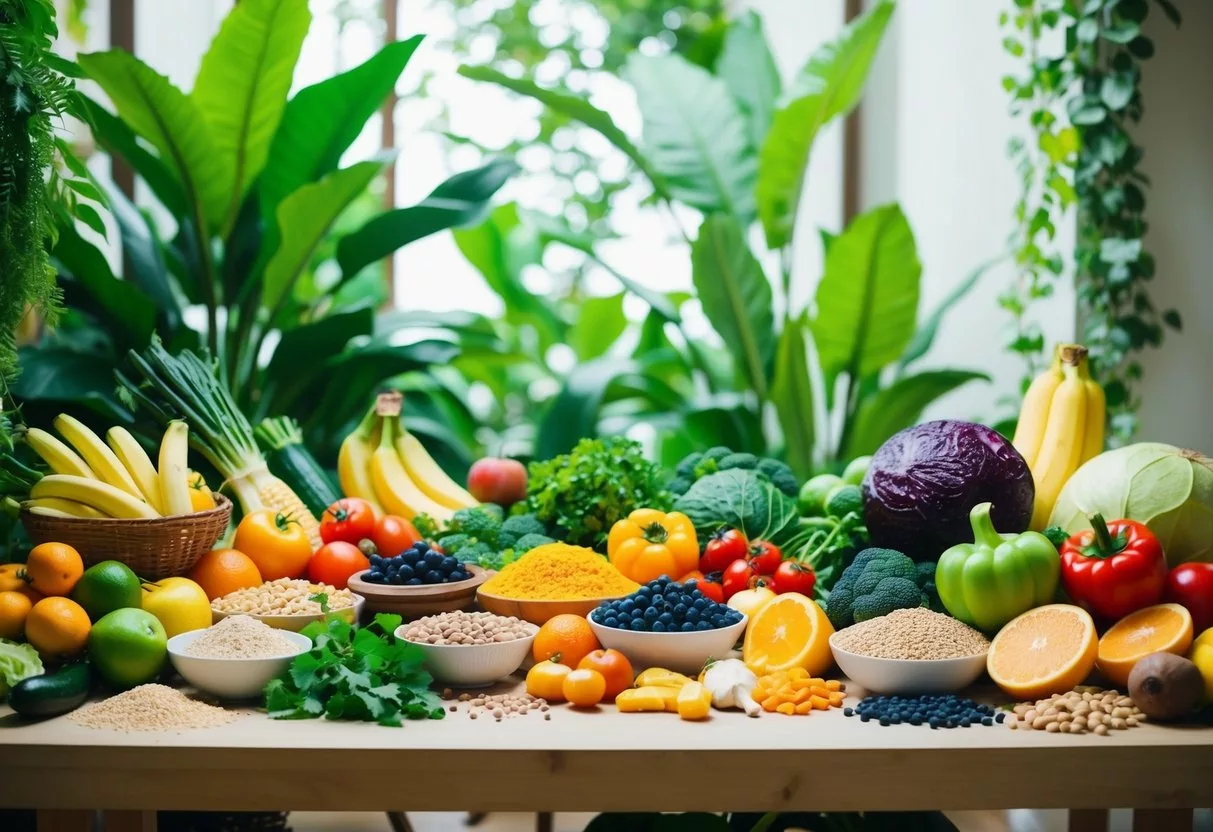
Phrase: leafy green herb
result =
(739, 499)
(355, 673)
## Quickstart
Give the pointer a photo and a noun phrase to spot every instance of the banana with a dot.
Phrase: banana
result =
(60, 458)
(1097, 414)
(354, 462)
(65, 508)
(131, 454)
(430, 478)
(174, 474)
(1062, 445)
(108, 499)
(97, 454)
(1030, 430)
(395, 489)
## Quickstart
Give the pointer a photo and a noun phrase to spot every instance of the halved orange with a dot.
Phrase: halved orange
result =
(1046, 650)
(1163, 628)
(789, 631)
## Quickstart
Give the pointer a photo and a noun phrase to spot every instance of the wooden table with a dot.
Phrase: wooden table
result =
(602, 761)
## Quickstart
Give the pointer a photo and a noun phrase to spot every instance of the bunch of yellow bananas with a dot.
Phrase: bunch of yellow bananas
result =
(387, 466)
(90, 478)
(1061, 425)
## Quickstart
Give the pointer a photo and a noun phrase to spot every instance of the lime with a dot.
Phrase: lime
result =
(856, 469)
(813, 493)
(128, 647)
(844, 499)
(105, 587)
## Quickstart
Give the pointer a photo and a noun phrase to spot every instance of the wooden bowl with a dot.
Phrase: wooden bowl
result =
(418, 601)
(538, 612)
(295, 623)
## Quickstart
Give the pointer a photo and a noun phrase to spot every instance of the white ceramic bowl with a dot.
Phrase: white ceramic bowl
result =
(908, 675)
(684, 652)
(472, 665)
(231, 678)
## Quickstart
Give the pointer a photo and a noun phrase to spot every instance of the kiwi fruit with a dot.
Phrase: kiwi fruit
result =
(1165, 686)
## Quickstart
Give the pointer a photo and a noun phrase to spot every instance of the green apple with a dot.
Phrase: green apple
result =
(128, 647)
(179, 603)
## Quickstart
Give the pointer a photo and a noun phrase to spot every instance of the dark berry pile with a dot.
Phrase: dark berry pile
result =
(416, 566)
(663, 606)
(938, 711)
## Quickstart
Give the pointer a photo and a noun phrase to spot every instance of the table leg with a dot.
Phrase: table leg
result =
(543, 822)
(65, 820)
(1088, 820)
(1162, 820)
(132, 821)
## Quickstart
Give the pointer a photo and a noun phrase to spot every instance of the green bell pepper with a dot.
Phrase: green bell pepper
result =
(990, 581)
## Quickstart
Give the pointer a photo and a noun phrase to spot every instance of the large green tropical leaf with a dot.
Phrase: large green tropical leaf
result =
(867, 300)
(792, 394)
(747, 67)
(736, 296)
(924, 337)
(305, 217)
(129, 314)
(168, 118)
(695, 135)
(320, 122)
(574, 412)
(142, 255)
(301, 353)
(460, 201)
(243, 82)
(576, 107)
(113, 134)
(899, 406)
(59, 374)
(828, 86)
(600, 322)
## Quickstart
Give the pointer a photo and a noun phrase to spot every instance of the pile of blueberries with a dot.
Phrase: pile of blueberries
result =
(416, 566)
(664, 606)
(938, 711)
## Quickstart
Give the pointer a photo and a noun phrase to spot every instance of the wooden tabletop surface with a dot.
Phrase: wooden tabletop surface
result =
(600, 760)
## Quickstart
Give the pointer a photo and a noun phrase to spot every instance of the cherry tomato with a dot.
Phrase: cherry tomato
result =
(724, 547)
(710, 587)
(740, 575)
(334, 562)
(794, 576)
(765, 556)
(392, 535)
(349, 520)
(584, 688)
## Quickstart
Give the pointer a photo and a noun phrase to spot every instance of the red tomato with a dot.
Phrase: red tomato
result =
(335, 562)
(392, 535)
(1191, 584)
(708, 585)
(765, 556)
(348, 520)
(740, 575)
(794, 576)
(724, 547)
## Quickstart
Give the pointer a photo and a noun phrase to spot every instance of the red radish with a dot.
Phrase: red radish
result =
(501, 481)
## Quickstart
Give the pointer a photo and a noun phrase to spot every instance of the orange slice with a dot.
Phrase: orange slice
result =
(789, 631)
(1046, 650)
(1164, 628)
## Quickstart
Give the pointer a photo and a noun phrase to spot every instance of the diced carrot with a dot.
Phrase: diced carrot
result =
(771, 703)
(801, 695)
(834, 684)
(820, 703)
(836, 698)
(786, 708)
(817, 682)
(820, 690)
(804, 708)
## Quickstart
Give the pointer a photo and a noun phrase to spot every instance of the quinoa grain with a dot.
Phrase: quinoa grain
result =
(916, 633)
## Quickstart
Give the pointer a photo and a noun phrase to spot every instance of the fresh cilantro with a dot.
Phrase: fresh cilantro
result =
(355, 673)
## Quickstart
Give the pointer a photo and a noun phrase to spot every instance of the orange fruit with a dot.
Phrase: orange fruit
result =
(14, 608)
(615, 668)
(1163, 628)
(12, 579)
(568, 636)
(584, 688)
(1046, 650)
(789, 631)
(57, 627)
(545, 680)
(53, 568)
(221, 571)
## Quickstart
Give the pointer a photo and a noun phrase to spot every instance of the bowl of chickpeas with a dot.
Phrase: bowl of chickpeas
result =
(288, 604)
(470, 649)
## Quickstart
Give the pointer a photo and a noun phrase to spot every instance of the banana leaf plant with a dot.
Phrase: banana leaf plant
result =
(839, 372)
(271, 261)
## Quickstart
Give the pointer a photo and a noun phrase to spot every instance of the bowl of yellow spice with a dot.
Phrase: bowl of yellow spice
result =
(552, 580)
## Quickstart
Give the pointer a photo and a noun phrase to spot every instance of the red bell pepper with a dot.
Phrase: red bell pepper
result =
(1114, 569)
(1191, 584)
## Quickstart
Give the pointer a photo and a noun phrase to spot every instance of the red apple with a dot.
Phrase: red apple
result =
(501, 481)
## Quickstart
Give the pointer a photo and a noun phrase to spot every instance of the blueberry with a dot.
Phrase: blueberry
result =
(651, 614)
(640, 625)
(460, 575)
(701, 603)
(949, 723)
(934, 722)
(658, 627)
(421, 546)
(449, 564)
(666, 618)
(865, 717)
(680, 610)
(703, 625)
(692, 615)
(884, 720)
(848, 712)
(611, 622)
(411, 557)
(434, 559)
(987, 721)
(627, 605)
(717, 621)
(433, 577)
(686, 627)
(1000, 718)
(658, 599)
(413, 582)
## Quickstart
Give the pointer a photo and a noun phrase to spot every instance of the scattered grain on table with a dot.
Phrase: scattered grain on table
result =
(151, 708)
(559, 572)
(284, 596)
(916, 633)
(499, 706)
(1080, 711)
(240, 637)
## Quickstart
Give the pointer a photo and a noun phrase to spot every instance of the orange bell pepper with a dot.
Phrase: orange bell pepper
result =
(648, 544)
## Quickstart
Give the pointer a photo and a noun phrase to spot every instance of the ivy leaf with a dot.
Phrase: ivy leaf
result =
(1116, 250)
(1117, 90)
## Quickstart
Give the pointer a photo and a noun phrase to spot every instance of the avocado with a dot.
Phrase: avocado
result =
(1165, 686)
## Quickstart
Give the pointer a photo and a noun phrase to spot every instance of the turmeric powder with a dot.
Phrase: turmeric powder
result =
(559, 572)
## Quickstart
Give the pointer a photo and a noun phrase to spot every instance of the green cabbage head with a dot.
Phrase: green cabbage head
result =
(17, 662)
(1165, 487)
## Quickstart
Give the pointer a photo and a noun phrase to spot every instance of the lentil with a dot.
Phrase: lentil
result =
(240, 637)
(282, 597)
(916, 633)
(559, 572)
(936, 710)
(468, 628)
(1082, 710)
(151, 708)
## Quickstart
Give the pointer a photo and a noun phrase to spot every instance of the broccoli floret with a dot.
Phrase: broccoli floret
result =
(890, 594)
(780, 475)
(926, 582)
(877, 582)
(924, 573)
(843, 500)
(709, 463)
(453, 543)
(476, 552)
(744, 461)
(529, 541)
(426, 526)
(519, 526)
(478, 522)
(491, 509)
(686, 468)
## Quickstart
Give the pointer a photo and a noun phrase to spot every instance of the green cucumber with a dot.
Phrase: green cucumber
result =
(52, 694)
(292, 463)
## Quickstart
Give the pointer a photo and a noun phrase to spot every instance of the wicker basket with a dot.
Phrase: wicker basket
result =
(157, 548)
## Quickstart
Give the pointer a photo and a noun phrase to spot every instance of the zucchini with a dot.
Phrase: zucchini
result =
(291, 462)
(52, 694)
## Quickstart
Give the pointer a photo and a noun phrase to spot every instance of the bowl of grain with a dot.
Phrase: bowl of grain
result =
(470, 649)
(911, 651)
(286, 604)
(236, 657)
